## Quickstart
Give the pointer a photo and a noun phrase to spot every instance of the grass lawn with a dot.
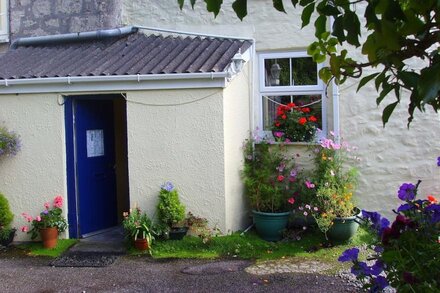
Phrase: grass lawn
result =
(36, 248)
(311, 246)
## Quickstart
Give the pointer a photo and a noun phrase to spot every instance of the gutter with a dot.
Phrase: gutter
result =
(75, 37)
(114, 83)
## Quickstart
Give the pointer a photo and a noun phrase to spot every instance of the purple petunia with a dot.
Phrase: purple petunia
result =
(379, 283)
(378, 222)
(407, 191)
(350, 254)
(438, 161)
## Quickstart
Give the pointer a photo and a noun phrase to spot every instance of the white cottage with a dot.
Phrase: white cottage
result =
(178, 108)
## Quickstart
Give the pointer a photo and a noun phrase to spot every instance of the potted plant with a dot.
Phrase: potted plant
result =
(294, 123)
(269, 178)
(171, 212)
(6, 216)
(138, 228)
(48, 224)
(334, 183)
(9, 142)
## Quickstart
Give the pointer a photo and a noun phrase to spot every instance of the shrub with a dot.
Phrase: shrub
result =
(170, 210)
(6, 216)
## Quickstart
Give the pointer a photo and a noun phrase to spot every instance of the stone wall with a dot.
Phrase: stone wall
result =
(49, 17)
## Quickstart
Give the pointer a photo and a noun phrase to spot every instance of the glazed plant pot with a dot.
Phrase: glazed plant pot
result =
(270, 226)
(141, 244)
(49, 236)
(7, 241)
(344, 228)
(177, 233)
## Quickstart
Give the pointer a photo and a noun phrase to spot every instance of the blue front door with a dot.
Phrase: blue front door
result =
(95, 169)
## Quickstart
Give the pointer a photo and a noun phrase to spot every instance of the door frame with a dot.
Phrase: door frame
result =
(71, 157)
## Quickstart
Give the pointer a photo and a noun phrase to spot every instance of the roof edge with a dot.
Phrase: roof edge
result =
(75, 37)
(114, 82)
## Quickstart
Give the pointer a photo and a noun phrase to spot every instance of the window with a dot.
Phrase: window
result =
(4, 23)
(290, 77)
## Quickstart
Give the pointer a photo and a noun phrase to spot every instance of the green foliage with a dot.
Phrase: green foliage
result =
(170, 210)
(267, 176)
(396, 32)
(6, 216)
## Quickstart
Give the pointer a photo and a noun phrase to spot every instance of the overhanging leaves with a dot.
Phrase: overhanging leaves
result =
(387, 112)
(365, 80)
(214, 6)
(240, 8)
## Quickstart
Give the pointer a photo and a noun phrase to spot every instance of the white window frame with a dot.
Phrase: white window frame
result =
(4, 21)
(293, 90)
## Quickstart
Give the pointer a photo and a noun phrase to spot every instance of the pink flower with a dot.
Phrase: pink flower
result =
(310, 185)
(38, 219)
(291, 200)
(46, 205)
(27, 217)
(315, 209)
(24, 229)
(280, 178)
(305, 214)
(58, 201)
(307, 206)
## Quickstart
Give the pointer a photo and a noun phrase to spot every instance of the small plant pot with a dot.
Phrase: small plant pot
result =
(7, 241)
(344, 228)
(141, 244)
(177, 233)
(49, 236)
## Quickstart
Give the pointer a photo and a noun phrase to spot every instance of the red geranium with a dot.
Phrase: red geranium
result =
(302, 120)
(312, 119)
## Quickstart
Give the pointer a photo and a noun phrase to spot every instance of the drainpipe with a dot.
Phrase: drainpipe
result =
(335, 100)
(74, 37)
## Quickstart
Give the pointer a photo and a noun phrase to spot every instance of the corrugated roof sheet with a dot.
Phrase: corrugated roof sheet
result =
(130, 55)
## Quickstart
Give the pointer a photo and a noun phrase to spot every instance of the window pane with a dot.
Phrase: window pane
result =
(277, 72)
(271, 103)
(290, 71)
(304, 71)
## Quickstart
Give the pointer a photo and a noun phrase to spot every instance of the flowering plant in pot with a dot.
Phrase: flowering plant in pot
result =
(294, 123)
(269, 178)
(50, 220)
(138, 228)
(406, 252)
(171, 212)
(6, 216)
(9, 142)
(334, 182)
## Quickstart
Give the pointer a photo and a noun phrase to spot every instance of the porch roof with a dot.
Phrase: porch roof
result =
(129, 54)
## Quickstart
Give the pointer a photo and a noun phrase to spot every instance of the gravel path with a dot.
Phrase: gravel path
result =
(142, 274)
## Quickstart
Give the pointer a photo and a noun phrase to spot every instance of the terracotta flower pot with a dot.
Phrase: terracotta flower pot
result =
(49, 236)
(141, 244)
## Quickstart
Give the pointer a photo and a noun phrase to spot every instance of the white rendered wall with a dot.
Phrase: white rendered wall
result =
(182, 143)
(390, 156)
(237, 107)
(38, 173)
